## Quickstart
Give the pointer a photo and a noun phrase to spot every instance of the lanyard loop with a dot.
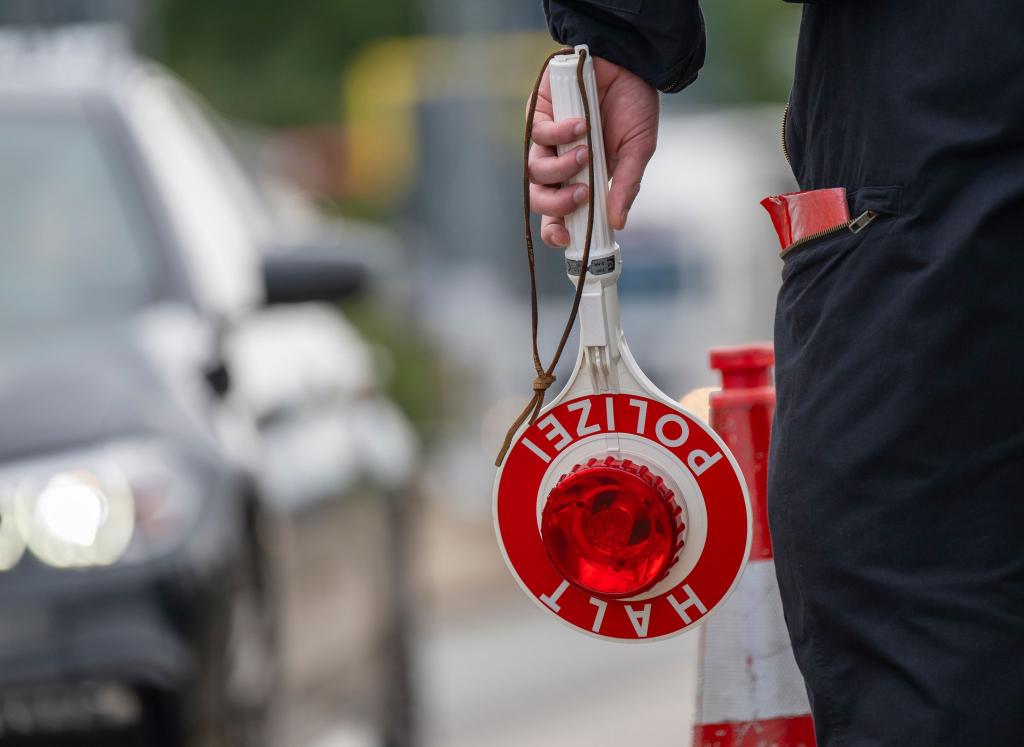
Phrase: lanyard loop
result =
(546, 376)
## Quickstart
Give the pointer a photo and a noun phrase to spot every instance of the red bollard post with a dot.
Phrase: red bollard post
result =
(742, 414)
(750, 692)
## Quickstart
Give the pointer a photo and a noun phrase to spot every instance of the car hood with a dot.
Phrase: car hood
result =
(80, 384)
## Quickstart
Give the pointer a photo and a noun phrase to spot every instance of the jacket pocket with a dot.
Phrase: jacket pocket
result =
(868, 207)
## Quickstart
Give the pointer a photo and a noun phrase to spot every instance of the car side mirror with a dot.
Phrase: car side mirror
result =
(304, 276)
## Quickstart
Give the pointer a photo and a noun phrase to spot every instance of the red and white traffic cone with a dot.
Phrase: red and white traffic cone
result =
(750, 692)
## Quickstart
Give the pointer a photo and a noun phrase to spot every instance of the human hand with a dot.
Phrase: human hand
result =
(629, 114)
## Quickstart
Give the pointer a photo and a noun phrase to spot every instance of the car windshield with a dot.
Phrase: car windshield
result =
(75, 242)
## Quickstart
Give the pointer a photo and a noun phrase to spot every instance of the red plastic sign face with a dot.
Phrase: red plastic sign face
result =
(591, 425)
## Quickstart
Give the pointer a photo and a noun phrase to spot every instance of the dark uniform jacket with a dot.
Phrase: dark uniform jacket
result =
(896, 483)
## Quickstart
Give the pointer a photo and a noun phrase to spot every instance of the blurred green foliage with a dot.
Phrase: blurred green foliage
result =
(751, 50)
(280, 63)
(275, 62)
(414, 377)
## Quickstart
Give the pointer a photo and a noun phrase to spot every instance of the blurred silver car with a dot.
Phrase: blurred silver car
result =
(159, 407)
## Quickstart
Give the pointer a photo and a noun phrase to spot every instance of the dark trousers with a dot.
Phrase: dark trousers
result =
(896, 482)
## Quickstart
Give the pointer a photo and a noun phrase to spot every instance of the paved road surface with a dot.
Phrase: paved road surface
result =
(493, 670)
(514, 676)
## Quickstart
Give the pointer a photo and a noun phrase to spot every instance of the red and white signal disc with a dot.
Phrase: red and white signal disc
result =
(676, 447)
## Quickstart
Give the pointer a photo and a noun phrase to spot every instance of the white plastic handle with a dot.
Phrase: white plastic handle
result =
(567, 103)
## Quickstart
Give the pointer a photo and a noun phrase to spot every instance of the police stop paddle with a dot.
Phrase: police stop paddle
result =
(617, 511)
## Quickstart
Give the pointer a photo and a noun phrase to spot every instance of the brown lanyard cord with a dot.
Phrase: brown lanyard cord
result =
(546, 377)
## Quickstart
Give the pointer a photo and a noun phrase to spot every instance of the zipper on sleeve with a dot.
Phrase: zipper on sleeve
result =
(673, 86)
(785, 148)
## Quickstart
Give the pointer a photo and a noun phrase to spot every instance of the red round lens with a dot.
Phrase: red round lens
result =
(612, 528)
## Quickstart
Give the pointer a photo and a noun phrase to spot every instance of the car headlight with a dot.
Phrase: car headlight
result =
(119, 503)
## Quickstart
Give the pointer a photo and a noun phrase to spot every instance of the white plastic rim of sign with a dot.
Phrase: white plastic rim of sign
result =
(718, 532)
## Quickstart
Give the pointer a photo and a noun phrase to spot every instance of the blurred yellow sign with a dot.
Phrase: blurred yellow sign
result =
(385, 83)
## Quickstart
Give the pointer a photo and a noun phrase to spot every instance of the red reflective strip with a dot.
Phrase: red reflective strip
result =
(798, 215)
(792, 731)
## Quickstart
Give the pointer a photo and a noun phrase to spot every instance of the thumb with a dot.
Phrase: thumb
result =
(629, 171)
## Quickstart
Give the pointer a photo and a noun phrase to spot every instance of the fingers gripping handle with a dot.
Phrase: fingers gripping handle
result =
(567, 103)
(599, 307)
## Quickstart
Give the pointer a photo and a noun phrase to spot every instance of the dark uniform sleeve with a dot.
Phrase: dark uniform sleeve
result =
(662, 41)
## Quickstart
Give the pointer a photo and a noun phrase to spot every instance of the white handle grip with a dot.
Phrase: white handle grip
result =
(567, 103)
